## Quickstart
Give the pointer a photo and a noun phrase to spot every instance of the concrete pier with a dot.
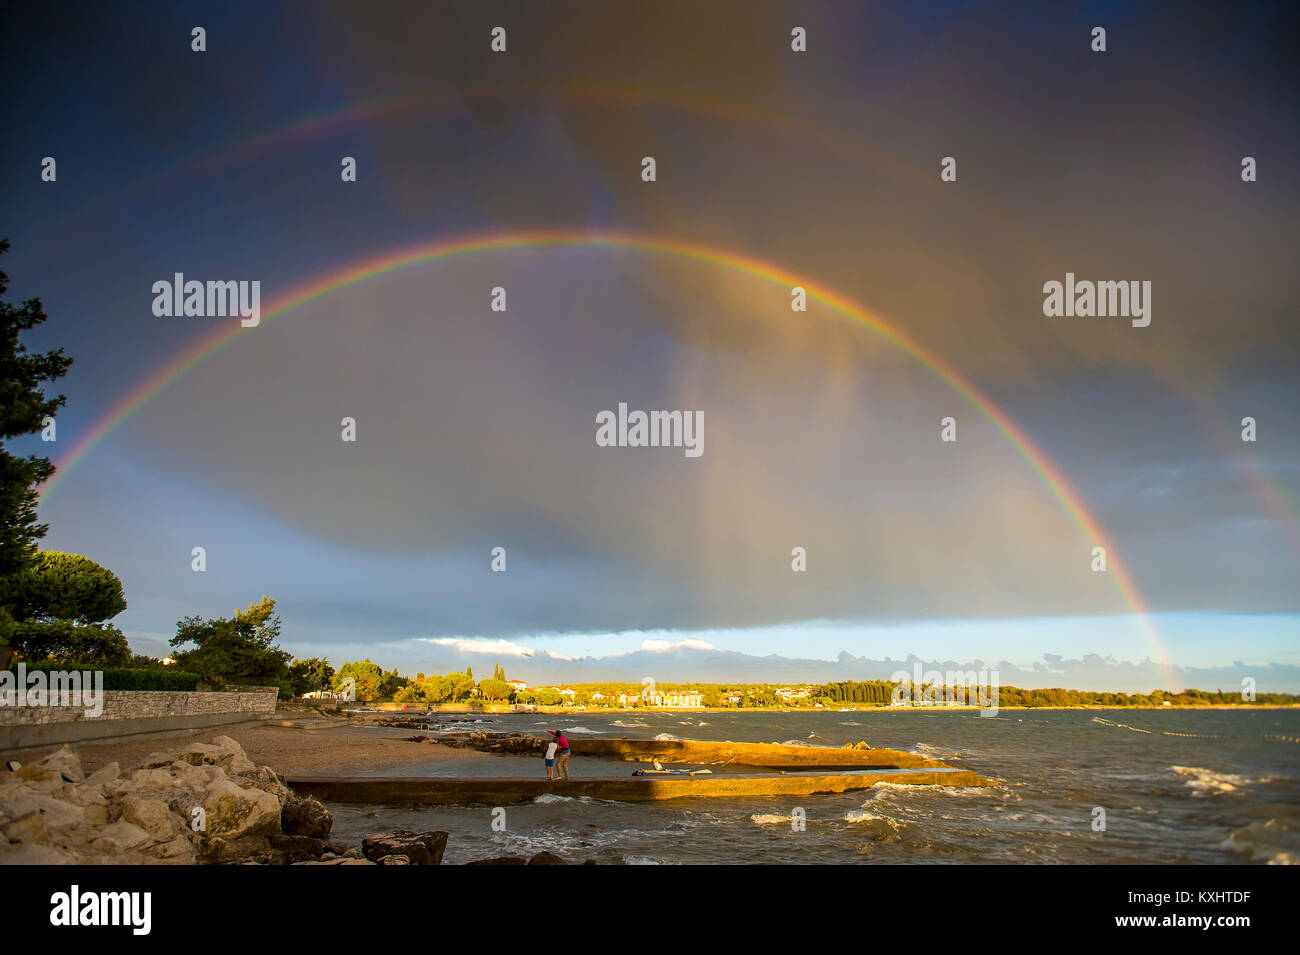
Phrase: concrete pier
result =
(785, 771)
(701, 752)
(495, 792)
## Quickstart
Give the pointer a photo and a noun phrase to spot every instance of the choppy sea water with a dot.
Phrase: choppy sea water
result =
(1197, 787)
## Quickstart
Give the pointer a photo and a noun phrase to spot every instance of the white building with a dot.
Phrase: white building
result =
(680, 699)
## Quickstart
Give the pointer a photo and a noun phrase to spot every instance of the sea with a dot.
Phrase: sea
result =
(1122, 786)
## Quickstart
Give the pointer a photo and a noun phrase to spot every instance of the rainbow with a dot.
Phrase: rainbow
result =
(316, 288)
(413, 104)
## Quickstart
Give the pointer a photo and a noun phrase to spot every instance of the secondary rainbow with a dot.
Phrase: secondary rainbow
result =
(767, 272)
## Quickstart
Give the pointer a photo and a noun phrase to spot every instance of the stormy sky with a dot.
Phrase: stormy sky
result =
(476, 428)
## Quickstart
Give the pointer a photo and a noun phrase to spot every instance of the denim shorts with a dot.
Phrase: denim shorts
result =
(550, 762)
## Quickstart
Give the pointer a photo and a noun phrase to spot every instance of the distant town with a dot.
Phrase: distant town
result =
(370, 684)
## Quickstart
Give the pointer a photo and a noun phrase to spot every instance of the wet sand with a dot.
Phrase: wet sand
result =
(340, 750)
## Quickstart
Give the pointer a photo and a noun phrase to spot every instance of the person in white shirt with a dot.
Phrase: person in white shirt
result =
(550, 759)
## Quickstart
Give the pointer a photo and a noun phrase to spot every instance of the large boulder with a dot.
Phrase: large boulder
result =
(29, 829)
(26, 853)
(420, 848)
(546, 858)
(152, 815)
(500, 860)
(66, 763)
(105, 774)
(264, 778)
(57, 813)
(119, 837)
(234, 812)
(292, 849)
(306, 816)
(222, 751)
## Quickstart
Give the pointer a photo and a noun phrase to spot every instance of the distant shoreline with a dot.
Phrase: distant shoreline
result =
(463, 709)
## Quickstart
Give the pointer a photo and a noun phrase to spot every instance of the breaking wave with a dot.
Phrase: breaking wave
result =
(1205, 782)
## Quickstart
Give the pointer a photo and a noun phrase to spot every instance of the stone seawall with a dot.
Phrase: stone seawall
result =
(128, 712)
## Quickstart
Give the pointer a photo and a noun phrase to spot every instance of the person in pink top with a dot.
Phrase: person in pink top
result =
(562, 754)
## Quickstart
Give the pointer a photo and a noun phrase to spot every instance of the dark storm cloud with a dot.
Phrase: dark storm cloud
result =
(476, 428)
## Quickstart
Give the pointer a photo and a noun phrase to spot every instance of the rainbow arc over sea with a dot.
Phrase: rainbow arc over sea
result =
(446, 248)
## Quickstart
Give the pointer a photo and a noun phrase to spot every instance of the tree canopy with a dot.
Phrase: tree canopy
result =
(238, 649)
(24, 408)
(60, 604)
(310, 675)
(57, 586)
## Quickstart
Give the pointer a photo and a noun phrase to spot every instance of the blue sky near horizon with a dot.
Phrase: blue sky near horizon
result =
(476, 429)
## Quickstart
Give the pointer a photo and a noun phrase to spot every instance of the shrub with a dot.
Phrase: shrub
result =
(128, 678)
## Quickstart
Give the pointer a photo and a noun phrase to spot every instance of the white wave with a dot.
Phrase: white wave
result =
(876, 828)
(629, 725)
(668, 738)
(769, 818)
(1203, 782)
(934, 752)
(1272, 841)
(546, 799)
(882, 790)
(860, 815)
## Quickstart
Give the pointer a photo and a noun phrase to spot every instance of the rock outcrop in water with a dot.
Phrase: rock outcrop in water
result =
(511, 744)
(418, 848)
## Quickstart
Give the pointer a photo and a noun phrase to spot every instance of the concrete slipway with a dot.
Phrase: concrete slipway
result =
(788, 771)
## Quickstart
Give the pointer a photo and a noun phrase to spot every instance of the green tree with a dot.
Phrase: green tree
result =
(462, 685)
(439, 689)
(61, 603)
(310, 675)
(368, 676)
(239, 649)
(411, 693)
(58, 586)
(64, 641)
(390, 682)
(24, 408)
(493, 688)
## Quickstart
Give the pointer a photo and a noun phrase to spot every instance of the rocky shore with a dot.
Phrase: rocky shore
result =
(206, 803)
